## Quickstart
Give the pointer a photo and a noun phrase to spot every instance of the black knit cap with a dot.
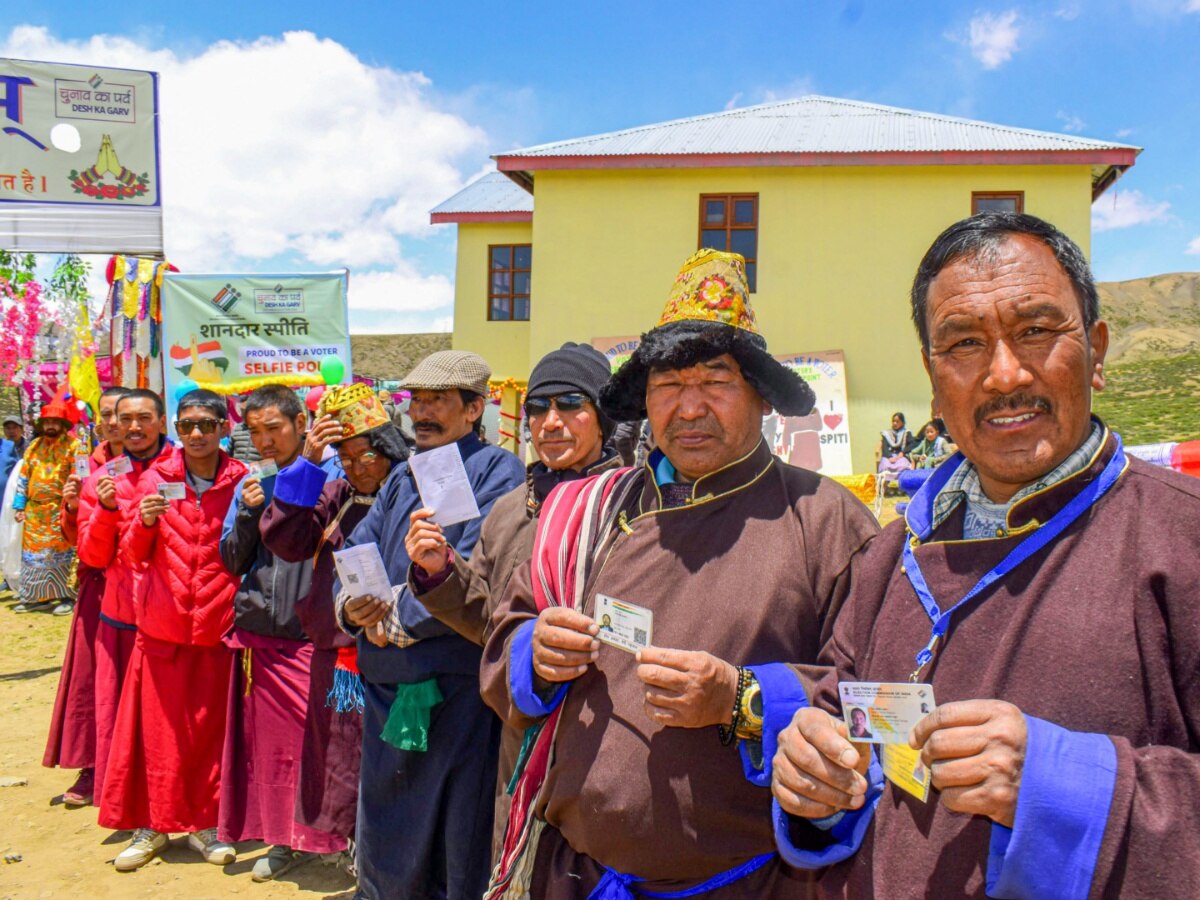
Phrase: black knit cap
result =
(572, 367)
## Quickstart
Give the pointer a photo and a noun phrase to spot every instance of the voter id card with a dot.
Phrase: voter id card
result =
(172, 490)
(622, 624)
(883, 712)
(83, 466)
(263, 469)
(119, 466)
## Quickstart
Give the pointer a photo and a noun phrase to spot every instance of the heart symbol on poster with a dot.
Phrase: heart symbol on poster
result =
(832, 422)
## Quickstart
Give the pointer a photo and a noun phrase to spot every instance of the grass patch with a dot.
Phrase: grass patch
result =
(1153, 400)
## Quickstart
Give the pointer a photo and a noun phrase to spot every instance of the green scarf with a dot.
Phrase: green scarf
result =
(407, 726)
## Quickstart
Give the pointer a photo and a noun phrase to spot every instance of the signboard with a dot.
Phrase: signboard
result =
(821, 440)
(617, 349)
(78, 144)
(241, 331)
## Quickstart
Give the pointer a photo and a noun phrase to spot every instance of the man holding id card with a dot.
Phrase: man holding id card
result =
(638, 636)
(1042, 585)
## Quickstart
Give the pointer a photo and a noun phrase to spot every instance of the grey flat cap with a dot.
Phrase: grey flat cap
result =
(448, 370)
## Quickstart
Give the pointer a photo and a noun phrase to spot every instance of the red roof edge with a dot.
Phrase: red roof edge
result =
(1112, 157)
(461, 218)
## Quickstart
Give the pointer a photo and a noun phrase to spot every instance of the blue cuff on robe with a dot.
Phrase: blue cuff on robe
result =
(782, 695)
(845, 836)
(520, 675)
(1063, 803)
(300, 483)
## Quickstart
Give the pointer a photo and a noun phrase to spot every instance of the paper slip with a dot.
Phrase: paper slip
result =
(622, 624)
(172, 490)
(83, 467)
(118, 466)
(263, 469)
(902, 766)
(362, 572)
(884, 713)
(443, 484)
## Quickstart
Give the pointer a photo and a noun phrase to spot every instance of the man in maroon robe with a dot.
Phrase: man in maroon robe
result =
(1042, 590)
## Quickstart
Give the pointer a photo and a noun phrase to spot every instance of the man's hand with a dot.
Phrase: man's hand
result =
(366, 612)
(324, 432)
(687, 688)
(564, 644)
(71, 492)
(19, 516)
(252, 493)
(376, 635)
(975, 750)
(151, 507)
(106, 492)
(817, 770)
(426, 544)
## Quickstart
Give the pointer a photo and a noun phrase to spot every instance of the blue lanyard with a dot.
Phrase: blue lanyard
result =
(1042, 536)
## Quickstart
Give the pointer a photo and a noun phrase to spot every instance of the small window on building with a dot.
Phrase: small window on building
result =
(509, 269)
(997, 201)
(730, 222)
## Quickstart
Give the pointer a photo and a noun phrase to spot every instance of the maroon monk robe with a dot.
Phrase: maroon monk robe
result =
(327, 793)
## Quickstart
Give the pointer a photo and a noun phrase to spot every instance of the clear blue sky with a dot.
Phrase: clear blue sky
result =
(518, 74)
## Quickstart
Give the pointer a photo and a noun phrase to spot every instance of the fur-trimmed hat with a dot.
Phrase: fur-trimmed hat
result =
(707, 314)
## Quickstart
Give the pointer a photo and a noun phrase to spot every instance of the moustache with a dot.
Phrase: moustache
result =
(1012, 403)
(707, 425)
(426, 423)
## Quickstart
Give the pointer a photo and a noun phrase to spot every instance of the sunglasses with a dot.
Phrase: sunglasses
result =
(539, 406)
(206, 426)
(363, 459)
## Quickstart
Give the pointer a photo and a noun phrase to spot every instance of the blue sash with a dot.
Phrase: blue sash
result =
(617, 886)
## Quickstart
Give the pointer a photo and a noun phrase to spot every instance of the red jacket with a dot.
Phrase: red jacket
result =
(100, 534)
(185, 594)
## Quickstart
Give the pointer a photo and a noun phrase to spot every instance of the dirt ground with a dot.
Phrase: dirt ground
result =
(63, 852)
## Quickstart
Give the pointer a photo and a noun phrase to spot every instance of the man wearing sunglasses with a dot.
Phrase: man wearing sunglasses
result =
(164, 769)
(569, 437)
(272, 656)
(426, 781)
(706, 559)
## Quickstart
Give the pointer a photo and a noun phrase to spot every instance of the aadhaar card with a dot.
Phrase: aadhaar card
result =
(884, 713)
(623, 625)
(263, 469)
(118, 466)
(83, 467)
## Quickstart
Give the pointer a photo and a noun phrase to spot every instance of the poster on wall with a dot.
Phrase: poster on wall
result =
(237, 332)
(79, 159)
(617, 349)
(821, 440)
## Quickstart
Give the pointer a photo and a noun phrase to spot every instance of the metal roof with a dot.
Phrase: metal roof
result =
(813, 124)
(490, 195)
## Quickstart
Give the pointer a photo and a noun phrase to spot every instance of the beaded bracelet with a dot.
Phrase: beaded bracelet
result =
(728, 733)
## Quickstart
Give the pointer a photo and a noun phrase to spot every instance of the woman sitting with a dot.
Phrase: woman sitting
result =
(892, 448)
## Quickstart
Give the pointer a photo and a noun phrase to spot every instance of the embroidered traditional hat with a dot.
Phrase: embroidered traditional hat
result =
(60, 408)
(708, 313)
(449, 369)
(355, 407)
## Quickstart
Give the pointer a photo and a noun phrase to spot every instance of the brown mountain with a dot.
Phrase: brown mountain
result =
(1152, 317)
(389, 357)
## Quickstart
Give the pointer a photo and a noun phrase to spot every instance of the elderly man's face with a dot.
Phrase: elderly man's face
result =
(704, 417)
(1011, 363)
(567, 438)
(441, 417)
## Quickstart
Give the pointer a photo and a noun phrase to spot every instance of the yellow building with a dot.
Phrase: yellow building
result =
(833, 202)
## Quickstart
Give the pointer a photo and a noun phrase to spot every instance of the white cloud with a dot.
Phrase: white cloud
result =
(993, 38)
(1067, 13)
(1124, 132)
(732, 102)
(292, 146)
(1124, 209)
(1193, 247)
(1192, 6)
(1071, 122)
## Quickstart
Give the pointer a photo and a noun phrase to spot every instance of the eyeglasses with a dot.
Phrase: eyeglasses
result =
(206, 426)
(363, 459)
(539, 406)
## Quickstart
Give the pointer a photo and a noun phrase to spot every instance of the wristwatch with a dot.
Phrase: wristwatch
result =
(750, 720)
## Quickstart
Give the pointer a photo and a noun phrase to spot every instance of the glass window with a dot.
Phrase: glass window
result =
(730, 222)
(510, 275)
(997, 201)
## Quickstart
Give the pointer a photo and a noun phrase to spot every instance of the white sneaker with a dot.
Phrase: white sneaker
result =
(214, 851)
(146, 844)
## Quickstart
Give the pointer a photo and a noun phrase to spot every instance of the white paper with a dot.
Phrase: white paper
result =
(442, 481)
(362, 572)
